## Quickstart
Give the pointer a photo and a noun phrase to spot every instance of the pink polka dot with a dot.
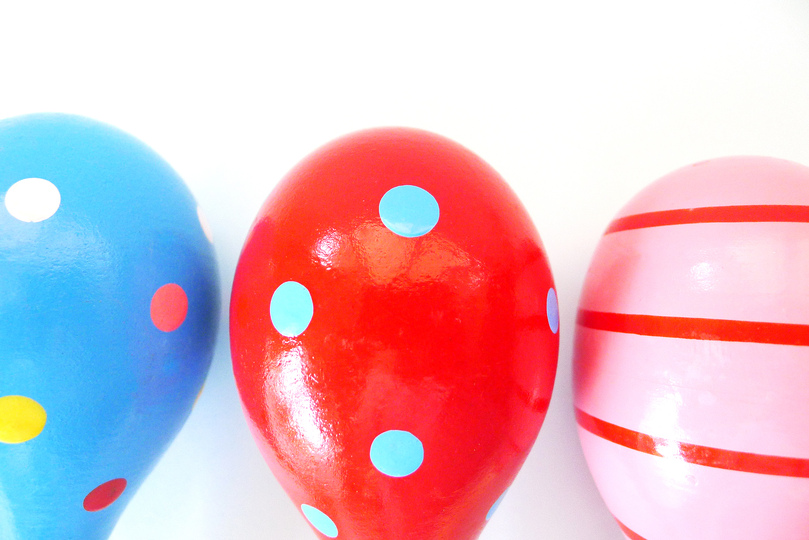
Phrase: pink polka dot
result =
(169, 307)
(104, 495)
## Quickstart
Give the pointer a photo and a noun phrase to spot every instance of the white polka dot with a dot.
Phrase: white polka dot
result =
(206, 228)
(32, 200)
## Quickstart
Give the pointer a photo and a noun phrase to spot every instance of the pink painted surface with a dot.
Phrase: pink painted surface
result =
(746, 271)
(692, 355)
(660, 498)
(740, 180)
(718, 394)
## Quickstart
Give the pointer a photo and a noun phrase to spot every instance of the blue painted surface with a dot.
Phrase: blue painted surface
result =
(320, 521)
(291, 308)
(76, 333)
(397, 453)
(409, 211)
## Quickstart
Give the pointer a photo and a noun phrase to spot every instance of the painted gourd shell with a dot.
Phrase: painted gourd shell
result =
(108, 312)
(692, 355)
(394, 336)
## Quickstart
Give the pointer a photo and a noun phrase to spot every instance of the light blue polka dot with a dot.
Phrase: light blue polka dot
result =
(291, 308)
(493, 509)
(320, 521)
(409, 211)
(397, 453)
(552, 307)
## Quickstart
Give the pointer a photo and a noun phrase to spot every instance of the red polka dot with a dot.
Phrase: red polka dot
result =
(104, 495)
(169, 307)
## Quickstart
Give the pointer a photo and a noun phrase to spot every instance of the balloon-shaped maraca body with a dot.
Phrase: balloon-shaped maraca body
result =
(394, 336)
(692, 355)
(108, 310)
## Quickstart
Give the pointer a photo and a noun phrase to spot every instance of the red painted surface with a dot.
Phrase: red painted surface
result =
(444, 336)
(694, 453)
(696, 328)
(755, 213)
(632, 535)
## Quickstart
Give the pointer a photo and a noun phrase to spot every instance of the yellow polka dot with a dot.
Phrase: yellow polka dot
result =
(198, 394)
(21, 419)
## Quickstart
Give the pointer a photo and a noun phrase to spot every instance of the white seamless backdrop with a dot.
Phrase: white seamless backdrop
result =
(578, 104)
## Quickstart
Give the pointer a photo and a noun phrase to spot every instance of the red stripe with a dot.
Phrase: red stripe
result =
(696, 328)
(713, 214)
(693, 453)
(632, 535)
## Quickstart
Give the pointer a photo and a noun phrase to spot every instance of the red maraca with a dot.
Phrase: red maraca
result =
(394, 332)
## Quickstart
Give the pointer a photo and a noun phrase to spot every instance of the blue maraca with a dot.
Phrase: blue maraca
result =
(109, 302)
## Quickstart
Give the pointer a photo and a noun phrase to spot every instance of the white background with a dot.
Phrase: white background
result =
(577, 103)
